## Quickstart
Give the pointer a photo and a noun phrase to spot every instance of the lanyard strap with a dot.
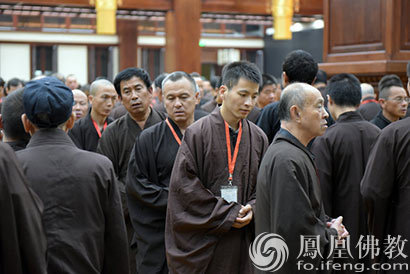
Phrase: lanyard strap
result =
(173, 132)
(97, 128)
(368, 101)
(232, 162)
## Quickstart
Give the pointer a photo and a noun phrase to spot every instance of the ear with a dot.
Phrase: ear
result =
(28, 126)
(285, 79)
(196, 98)
(382, 102)
(90, 98)
(150, 89)
(222, 90)
(295, 113)
(329, 100)
(70, 123)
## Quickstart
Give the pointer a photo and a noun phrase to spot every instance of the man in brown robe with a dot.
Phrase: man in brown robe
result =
(341, 155)
(209, 223)
(22, 240)
(289, 202)
(386, 192)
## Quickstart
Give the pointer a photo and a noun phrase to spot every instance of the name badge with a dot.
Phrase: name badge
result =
(229, 193)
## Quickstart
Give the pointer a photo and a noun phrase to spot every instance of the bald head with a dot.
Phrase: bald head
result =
(98, 84)
(367, 90)
(294, 94)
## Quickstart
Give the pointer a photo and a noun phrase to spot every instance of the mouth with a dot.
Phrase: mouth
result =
(244, 111)
(136, 105)
(179, 113)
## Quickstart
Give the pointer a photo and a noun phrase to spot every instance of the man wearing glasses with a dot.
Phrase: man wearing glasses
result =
(393, 99)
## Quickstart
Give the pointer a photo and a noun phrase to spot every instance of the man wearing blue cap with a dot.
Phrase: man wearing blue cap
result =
(82, 215)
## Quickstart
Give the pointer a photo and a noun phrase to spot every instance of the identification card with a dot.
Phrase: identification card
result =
(229, 193)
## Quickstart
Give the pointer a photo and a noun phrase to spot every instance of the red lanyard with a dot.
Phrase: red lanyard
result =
(173, 132)
(97, 128)
(232, 162)
(368, 101)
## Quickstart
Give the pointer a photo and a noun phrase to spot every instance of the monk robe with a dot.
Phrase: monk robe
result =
(341, 156)
(289, 201)
(199, 236)
(148, 178)
(22, 240)
(386, 189)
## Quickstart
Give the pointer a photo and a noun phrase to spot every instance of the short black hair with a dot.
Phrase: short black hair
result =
(11, 111)
(321, 77)
(127, 74)
(388, 81)
(231, 73)
(344, 89)
(2, 82)
(178, 75)
(159, 79)
(300, 66)
(267, 79)
(214, 82)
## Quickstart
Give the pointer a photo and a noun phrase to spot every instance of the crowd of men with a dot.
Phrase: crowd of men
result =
(180, 175)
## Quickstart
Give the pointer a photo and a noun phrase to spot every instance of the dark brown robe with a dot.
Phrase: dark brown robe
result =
(82, 215)
(199, 237)
(22, 240)
(341, 156)
(289, 201)
(386, 187)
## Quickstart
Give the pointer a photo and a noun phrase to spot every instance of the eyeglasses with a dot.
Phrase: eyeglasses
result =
(401, 99)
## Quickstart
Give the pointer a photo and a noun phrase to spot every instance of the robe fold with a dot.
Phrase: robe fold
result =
(289, 201)
(199, 237)
(386, 188)
(341, 156)
(148, 178)
(22, 240)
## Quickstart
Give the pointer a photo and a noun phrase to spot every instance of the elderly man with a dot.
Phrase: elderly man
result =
(289, 202)
(212, 188)
(369, 107)
(393, 99)
(150, 169)
(23, 243)
(386, 193)
(80, 108)
(10, 119)
(299, 66)
(82, 210)
(341, 155)
(71, 81)
(87, 131)
(133, 87)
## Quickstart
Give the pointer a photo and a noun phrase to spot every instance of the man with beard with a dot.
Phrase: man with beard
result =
(213, 183)
(133, 86)
(150, 169)
(87, 131)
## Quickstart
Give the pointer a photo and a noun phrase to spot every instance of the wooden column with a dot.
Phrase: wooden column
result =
(369, 38)
(127, 36)
(183, 31)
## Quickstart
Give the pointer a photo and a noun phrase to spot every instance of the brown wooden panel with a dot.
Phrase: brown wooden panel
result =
(209, 55)
(127, 36)
(352, 28)
(405, 25)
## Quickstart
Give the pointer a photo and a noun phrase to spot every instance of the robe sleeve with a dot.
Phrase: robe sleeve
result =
(116, 243)
(141, 183)
(291, 188)
(324, 162)
(22, 240)
(194, 207)
(377, 184)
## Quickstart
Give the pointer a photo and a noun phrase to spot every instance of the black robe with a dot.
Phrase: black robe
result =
(341, 156)
(22, 240)
(369, 110)
(82, 214)
(209, 106)
(116, 143)
(199, 237)
(386, 187)
(289, 201)
(380, 121)
(148, 178)
(269, 122)
(84, 134)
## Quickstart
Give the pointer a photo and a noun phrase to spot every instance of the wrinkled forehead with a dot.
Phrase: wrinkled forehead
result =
(181, 85)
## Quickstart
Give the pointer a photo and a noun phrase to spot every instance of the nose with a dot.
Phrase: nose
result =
(325, 114)
(76, 106)
(177, 103)
(134, 95)
(249, 101)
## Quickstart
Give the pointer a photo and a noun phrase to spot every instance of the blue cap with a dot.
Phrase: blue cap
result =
(50, 97)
